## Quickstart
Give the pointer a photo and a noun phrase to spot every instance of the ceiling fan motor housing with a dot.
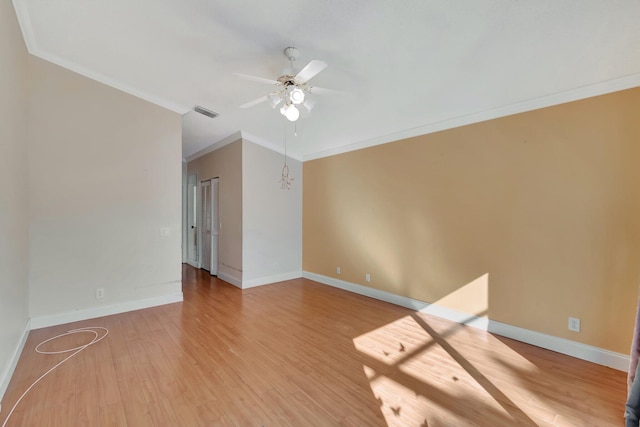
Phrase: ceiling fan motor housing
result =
(287, 80)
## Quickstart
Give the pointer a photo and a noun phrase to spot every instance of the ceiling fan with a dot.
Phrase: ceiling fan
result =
(291, 89)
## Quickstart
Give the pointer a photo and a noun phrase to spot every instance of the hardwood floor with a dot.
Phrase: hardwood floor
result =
(298, 353)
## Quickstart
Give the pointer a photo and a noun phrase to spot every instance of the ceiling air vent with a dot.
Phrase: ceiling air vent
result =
(205, 112)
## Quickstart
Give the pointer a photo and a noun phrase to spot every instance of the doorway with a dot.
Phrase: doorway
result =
(192, 220)
(209, 213)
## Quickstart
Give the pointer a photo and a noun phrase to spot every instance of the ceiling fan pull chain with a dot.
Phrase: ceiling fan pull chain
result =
(286, 178)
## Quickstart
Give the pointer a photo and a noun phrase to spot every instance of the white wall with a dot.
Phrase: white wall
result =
(13, 192)
(272, 217)
(104, 177)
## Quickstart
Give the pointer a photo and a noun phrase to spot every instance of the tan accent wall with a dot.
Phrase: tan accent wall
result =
(226, 164)
(528, 219)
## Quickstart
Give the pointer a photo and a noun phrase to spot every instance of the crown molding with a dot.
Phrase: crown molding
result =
(93, 75)
(236, 136)
(603, 88)
(24, 21)
(270, 146)
(26, 27)
(244, 136)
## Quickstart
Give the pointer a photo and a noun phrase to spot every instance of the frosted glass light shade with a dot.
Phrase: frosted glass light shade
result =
(297, 96)
(292, 114)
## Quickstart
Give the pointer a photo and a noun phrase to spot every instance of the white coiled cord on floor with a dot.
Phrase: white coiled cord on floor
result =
(90, 329)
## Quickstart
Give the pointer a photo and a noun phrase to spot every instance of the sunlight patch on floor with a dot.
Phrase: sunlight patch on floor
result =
(403, 405)
(427, 372)
(399, 404)
(382, 343)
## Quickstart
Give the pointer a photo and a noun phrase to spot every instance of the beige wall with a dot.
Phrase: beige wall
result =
(529, 218)
(226, 164)
(104, 177)
(13, 189)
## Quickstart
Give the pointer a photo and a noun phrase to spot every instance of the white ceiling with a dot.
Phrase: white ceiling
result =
(408, 67)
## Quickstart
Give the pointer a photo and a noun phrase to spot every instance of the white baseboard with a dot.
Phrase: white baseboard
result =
(366, 291)
(13, 361)
(579, 350)
(413, 304)
(589, 353)
(271, 279)
(230, 279)
(107, 310)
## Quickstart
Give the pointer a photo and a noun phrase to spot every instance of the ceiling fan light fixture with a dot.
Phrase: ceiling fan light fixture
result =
(292, 90)
(297, 96)
(290, 112)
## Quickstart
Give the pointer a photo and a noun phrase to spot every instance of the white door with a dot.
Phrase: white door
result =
(205, 258)
(192, 220)
(215, 222)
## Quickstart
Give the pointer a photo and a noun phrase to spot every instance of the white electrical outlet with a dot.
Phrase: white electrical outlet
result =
(367, 277)
(165, 231)
(574, 324)
(99, 293)
(338, 270)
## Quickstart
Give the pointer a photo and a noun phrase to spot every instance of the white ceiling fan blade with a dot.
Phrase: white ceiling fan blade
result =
(322, 91)
(258, 79)
(308, 105)
(254, 102)
(310, 70)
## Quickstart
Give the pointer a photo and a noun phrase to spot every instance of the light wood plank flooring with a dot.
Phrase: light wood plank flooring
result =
(298, 353)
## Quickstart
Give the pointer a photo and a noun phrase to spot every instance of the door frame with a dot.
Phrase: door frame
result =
(215, 223)
(215, 217)
(205, 203)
